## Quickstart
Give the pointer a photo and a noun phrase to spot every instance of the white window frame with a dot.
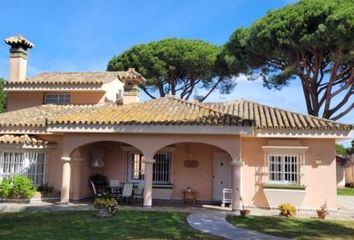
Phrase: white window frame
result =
(284, 167)
(28, 165)
(285, 152)
(165, 170)
(59, 98)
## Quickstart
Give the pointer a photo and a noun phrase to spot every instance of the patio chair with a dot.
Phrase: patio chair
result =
(115, 187)
(127, 193)
(94, 190)
(139, 192)
(114, 183)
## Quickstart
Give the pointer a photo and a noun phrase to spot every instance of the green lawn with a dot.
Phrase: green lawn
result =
(85, 225)
(296, 228)
(345, 191)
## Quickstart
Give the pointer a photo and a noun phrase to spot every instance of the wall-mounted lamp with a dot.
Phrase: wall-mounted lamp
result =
(97, 158)
(318, 160)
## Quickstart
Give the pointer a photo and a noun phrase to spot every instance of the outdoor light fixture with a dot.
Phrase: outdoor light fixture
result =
(318, 160)
(97, 158)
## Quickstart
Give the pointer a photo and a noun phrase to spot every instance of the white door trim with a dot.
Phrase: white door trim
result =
(221, 173)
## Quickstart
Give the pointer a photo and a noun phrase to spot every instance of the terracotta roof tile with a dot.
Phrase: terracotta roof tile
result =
(36, 116)
(266, 117)
(80, 77)
(168, 111)
(163, 111)
(22, 139)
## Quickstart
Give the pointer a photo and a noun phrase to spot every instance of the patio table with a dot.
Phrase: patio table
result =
(189, 196)
(116, 191)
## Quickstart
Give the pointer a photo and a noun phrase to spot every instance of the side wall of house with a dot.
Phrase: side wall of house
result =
(320, 180)
(54, 163)
(20, 100)
(201, 178)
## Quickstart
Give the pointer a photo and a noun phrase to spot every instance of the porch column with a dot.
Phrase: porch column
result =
(236, 184)
(148, 181)
(65, 181)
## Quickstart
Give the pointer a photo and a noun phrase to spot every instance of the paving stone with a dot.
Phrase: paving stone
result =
(215, 223)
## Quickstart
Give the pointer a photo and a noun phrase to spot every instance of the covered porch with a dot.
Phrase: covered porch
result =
(166, 165)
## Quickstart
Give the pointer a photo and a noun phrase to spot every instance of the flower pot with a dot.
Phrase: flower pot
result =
(322, 214)
(245, 212)
(104, 213)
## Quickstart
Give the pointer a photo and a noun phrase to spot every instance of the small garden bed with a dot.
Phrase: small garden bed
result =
(20, 189)
(85, 225)
(295, 228)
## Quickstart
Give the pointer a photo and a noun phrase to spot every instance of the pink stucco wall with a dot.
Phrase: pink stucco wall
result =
(54, 163)
(320, 181)
(199, 179)
(20, 100)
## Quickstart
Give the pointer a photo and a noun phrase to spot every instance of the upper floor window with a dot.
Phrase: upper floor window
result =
(284, 168)
(57, 98)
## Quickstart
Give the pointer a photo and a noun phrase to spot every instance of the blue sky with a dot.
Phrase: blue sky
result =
(84, 35)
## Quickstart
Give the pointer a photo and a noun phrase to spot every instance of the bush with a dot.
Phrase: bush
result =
(288, 210)
(5, 186)
(19, 187)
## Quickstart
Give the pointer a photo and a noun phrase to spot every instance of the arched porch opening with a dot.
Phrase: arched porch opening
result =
(202, 168)
(161, 180)
(86, 161)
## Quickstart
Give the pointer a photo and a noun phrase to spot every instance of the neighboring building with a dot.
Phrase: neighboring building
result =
(345, 170)
(61, 128)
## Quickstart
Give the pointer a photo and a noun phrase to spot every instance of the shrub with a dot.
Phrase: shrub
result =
(45, 189)
(21, 188)
(5, 187)
(106, 202)
(18, 187)
(288, 210)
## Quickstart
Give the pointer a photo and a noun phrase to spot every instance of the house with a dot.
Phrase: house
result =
(63, 127)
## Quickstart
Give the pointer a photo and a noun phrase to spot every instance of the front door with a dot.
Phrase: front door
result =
(221, 174)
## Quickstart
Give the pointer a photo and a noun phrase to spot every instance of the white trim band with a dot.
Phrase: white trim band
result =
(163, 129)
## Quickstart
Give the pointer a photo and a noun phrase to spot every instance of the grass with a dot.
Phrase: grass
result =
(296, 228)
(345, 191)
(85, 225)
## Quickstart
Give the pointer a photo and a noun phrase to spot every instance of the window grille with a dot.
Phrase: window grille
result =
(57, 98)
(284, 168)
(161, 167)
(30, 164)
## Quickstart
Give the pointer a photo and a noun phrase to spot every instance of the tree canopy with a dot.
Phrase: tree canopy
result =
(180, 67)
(313, 41)
(2, 96)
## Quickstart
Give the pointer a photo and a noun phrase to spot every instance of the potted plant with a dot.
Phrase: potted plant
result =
(287, 210)
(106, 206)
(45, 190)
(244, 212)
(322, 212)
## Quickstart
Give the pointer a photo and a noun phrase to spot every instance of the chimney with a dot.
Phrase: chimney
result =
(132, 80)
(18, 57)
